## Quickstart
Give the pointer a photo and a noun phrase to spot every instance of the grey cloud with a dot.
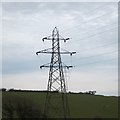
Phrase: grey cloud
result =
(24, 24)
(35, 7)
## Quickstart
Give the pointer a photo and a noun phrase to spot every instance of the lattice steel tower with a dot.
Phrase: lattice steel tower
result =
(56, 104)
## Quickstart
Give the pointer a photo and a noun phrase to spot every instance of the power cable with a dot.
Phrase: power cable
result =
(99, 54)
(101, 27)
(98, 33)
(84, 22)
(94, 62)
(93, 10)
(99, 46)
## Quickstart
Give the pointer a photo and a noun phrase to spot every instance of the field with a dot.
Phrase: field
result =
(81, 105)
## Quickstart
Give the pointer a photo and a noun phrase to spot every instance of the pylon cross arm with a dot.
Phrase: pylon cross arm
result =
(55, 66)
(50, 52)
(48, 38)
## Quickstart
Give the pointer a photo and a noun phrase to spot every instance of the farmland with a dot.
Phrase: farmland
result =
(81, 105)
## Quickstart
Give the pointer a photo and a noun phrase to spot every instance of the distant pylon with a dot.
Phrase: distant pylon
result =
(56, 104)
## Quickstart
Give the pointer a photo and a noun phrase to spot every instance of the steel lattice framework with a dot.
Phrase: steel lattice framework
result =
(56, 104)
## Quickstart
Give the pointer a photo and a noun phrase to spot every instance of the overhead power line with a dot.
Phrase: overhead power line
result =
(102, 46)
(91, 11)
(98, 33)
(84, 22)
(98, 28)
(83, 65)
(99, 54)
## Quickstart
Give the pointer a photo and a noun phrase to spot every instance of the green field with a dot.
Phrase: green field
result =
(81, 105)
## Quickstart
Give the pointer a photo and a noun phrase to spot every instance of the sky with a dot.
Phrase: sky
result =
(93, 29)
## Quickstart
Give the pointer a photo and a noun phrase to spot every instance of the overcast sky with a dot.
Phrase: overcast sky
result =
(92, 28)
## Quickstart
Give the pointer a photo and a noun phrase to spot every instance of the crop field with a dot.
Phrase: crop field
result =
(31, 104)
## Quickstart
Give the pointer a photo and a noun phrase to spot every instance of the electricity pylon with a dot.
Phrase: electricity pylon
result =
(56, 104)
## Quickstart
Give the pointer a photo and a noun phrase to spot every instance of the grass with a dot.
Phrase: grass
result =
(81, 105)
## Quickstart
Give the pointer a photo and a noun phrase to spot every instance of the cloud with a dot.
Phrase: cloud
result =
(24, 24)
(32, 80)
(103, 82)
